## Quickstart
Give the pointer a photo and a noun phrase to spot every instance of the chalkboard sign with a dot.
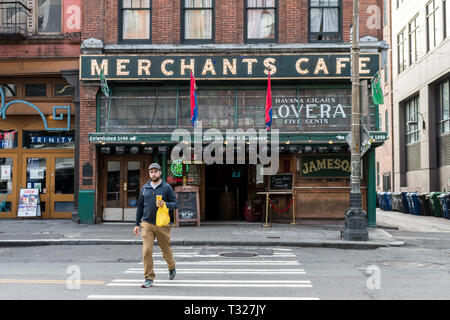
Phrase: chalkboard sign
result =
(281, 182)
(188, 205)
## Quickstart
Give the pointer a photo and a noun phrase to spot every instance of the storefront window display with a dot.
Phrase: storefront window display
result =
(294, 110)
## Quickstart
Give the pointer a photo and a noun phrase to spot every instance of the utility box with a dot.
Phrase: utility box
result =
(86, 206)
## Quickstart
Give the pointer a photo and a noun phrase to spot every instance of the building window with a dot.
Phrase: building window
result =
(444, 13)
(378, 174)
(413, 51)
(35, 90)
(198, 21)
(444, 106)
(385, 12)
(386, 121)
(136, 17)
(434, 24)
(325, 20)
(63, 90)
(261, 19)
(49, 16)
(387, 182)
(412, 120)
(8, 139)
(401, 49)
(9, 89)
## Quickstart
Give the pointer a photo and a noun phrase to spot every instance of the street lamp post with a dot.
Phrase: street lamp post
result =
(355, 216)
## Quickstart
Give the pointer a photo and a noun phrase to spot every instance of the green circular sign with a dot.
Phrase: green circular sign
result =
(177, 168)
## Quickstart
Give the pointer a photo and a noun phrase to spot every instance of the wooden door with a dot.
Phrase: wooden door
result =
(37, 175)
(122, 179)
(8, 184)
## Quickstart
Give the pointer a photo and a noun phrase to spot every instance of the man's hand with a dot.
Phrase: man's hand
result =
(136, 231)
(159, 203)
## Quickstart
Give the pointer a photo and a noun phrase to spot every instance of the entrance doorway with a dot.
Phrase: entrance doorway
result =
(53, 175)
(225, 191)
(122, 179)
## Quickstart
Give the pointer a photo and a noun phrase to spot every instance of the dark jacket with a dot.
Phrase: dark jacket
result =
(146, 209)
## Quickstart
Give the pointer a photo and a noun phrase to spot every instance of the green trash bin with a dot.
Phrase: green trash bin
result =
(435, 204)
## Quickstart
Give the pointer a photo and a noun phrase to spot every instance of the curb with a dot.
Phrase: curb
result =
(302, 244)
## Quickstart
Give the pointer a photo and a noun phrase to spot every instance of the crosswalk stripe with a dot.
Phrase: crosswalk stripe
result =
(160, 297)
(216, 285)
(230, 271)
(189, 255)
(267, 263)
(216, 281)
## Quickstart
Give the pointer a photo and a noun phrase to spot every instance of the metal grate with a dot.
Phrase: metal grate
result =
(14, 18)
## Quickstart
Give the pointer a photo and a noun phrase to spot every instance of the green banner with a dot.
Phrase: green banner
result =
(326, 165)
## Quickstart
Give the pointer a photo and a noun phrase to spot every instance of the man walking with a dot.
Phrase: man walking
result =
(146, 218)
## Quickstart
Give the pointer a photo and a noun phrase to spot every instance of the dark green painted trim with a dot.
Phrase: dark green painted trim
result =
(292, 137)
(164, 166)
(371, 189)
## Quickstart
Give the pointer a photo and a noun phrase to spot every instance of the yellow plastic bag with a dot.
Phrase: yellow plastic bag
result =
(162, 216)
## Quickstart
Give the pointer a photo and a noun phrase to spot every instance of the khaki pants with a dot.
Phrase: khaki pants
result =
(162, 234)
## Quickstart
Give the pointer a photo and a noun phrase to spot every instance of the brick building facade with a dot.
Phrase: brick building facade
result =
(145, 65)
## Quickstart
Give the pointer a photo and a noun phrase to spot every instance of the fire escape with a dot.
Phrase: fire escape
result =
(14, 17)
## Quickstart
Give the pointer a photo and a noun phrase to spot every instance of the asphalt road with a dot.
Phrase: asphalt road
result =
(419, 270)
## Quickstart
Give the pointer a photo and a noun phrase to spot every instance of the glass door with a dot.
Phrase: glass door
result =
(8, 176)
(37, 177)
(62, 186)
(123, 180)
(53, 175)
(114, 195)
(132, 189)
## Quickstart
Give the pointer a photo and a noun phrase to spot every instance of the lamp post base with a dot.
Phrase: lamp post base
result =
(356, 225)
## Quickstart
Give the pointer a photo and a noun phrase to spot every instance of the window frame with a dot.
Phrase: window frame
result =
(442, 122)
(36, 19)
(254, 40)
(183, 19)
(134, 41)
(4, 82)
(401, 49)
(410, 33)
(433, 14)
(310, 34)
(386, 122)
(444, 18)
(35, 81)
(414, 133)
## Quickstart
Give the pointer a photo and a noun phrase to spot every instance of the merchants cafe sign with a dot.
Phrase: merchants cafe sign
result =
(232, 67)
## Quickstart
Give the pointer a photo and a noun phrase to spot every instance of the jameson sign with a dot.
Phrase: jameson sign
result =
(326, 166)
(176, 67)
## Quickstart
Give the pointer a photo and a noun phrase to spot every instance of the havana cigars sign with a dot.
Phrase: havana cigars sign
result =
(230, 67)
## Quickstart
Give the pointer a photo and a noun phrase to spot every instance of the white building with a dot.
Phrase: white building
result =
(421, 115)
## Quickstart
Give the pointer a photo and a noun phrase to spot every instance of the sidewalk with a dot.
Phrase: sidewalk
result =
(412, 223)
(305, 234)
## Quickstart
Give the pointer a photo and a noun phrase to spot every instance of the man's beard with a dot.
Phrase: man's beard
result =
(155, 179)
